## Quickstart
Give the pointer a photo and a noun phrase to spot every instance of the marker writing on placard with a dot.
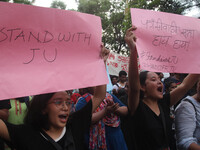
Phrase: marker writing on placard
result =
(160, 40)
(150, 57)
(161, 68)
(18, 34)
(75, 36)
(179, 44)
(172, 28)
(22, 36)
(44, 56)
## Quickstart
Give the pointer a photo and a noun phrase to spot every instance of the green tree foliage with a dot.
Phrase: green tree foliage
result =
(58, 4)
(4, 0)
(116, 19)
(172, 6)
(29, 2)
(96, 7)
(112, 16)
(113, 34)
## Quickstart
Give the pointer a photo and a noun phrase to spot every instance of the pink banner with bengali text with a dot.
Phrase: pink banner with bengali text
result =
(167, 42)
(45, 50)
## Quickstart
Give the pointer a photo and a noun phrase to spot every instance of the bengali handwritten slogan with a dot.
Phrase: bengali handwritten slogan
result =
(167, 42)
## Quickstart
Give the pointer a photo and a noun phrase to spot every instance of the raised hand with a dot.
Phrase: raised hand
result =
(104, 53)
(130, 37)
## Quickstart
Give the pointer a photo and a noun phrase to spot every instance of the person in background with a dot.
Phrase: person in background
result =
(114, 79)
(121, 84)
(175, 77)
(149, 109)
(187, 122)
(170, 86)
(123, 95)
(161, 75)
(74, 98)
(4, 113)
(105, 132)
(124, 119)
(18, 109)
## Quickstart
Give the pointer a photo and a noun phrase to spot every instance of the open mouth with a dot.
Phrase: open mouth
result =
(159, 89)
(63, 118)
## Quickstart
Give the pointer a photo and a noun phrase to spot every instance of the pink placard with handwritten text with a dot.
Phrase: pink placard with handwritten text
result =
(167, 42)
(46, 50)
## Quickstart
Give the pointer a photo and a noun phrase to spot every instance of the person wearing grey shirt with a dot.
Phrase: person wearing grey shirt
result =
(187, 122)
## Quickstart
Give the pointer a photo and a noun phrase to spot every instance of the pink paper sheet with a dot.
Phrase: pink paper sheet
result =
(167, 42)
(46, 50)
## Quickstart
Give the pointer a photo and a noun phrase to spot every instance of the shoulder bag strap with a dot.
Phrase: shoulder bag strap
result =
(192, 105)
(117, 84)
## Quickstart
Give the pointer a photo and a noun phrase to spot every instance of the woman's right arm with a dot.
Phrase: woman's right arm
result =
(133, 76)
(100, 91)
(98, 116)
(178, 93)
(110, 108)
(4, 131)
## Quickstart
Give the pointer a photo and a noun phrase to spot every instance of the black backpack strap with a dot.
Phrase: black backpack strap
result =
(56, 145)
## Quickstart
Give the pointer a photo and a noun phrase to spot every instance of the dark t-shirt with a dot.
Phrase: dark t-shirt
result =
(24, 137)
(1, 144)
(146, 128)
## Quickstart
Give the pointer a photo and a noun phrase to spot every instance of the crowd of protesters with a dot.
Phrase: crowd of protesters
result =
(144, 111)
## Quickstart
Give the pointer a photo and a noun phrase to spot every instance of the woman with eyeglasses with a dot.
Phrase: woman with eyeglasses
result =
(49, 124)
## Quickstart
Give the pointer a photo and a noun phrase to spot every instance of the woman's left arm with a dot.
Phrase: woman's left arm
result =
(179, 92)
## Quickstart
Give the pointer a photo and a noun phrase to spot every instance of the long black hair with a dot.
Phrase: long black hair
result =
(143, 77)
(35, 116)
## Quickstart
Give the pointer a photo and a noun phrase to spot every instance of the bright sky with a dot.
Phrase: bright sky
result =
(195, 12)
(71, 4)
